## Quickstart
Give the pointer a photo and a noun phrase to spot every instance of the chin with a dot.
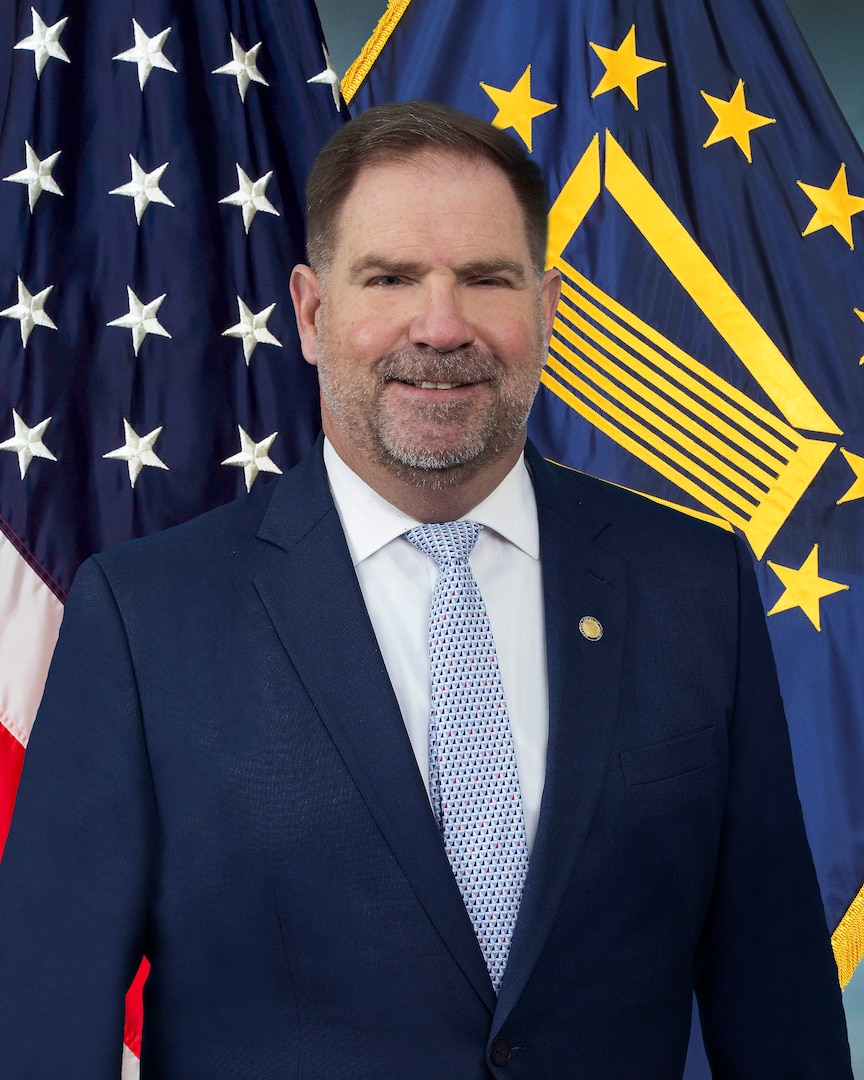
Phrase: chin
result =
(431, 451)
(437, 468)
(430, 478)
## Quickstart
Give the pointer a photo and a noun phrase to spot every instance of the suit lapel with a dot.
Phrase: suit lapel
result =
(584, 672)
(308, 586)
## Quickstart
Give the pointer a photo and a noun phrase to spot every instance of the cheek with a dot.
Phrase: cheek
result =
(508, 323)
(368, 338)
(517, 343)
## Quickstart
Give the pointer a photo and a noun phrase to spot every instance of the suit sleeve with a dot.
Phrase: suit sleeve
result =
(76, 874)
(767, 984)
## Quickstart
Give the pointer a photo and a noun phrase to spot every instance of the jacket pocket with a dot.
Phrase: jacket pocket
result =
(672, 757)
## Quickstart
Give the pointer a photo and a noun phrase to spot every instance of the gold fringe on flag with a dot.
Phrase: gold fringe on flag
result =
(358, 71)
(848, 940)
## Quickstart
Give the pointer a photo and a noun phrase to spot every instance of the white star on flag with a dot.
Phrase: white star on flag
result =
(328, 77)
(36, 175)
(147, 53)
(253, 457)
(252, 328)
(30, 311)
(27, 442)
(141, 319)
(143, 188)
(250, 196)
(137, 451)
(244, 67)
(44, 42)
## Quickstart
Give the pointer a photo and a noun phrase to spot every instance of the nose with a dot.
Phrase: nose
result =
(439, 321)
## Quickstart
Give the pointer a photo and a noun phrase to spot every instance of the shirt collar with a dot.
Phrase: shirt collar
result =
(370, 522)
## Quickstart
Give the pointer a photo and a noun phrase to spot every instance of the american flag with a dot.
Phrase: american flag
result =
(153, 156)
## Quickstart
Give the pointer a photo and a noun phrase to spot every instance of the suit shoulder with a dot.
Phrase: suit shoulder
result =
(577, 487)
(635, 526)
(205, 536)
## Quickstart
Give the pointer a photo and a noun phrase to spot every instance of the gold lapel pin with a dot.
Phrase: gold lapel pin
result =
(590, 628)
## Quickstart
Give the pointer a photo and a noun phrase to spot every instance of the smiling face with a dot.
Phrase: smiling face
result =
(429, 327)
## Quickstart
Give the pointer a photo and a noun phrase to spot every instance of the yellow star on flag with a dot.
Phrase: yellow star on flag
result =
(834, 206)
(860, 315)
(623, 68)
(734, 120)
(856, 464)
(516, 108)
(803, 588)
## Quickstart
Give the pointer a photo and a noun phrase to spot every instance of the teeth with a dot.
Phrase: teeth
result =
(437, 385)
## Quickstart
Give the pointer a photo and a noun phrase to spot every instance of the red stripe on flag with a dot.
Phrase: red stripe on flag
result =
(11, 763)
(135, 1009)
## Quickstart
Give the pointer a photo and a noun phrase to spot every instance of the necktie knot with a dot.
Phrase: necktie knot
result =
(446, 542)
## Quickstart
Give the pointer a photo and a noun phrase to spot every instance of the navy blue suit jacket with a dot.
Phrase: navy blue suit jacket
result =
(219, 777)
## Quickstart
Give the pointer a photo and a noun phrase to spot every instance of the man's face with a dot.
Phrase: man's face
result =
(429, 327)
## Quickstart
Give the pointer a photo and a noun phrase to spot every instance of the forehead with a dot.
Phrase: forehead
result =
(431, 198)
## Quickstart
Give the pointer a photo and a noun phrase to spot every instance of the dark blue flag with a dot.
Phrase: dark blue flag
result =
(707, 199)
(153, 157)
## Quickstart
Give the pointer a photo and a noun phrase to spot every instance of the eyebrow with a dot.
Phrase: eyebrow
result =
(479, 268)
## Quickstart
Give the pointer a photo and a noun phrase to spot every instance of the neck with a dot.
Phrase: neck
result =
(439, 495)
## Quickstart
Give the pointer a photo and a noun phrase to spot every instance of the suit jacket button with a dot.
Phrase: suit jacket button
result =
(500, 1052)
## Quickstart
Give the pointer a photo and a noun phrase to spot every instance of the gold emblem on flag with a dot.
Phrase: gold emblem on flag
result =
(742, 462)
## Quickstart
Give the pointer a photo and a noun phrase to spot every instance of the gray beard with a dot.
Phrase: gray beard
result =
(434, 468)
(438, 468)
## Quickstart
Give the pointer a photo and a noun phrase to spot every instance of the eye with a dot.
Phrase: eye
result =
(386, 280)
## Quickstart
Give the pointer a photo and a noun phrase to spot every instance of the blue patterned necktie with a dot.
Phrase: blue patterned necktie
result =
(473, 779)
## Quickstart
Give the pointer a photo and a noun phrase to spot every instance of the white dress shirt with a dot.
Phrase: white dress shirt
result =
(397, 582)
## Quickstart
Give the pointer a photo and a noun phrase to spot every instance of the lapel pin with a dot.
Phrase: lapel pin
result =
(590, 628)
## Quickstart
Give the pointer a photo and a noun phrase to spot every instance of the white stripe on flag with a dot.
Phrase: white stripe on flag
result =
(30, 617)
(131, 1065)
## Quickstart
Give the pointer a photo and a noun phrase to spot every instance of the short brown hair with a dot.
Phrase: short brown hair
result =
(398, 132)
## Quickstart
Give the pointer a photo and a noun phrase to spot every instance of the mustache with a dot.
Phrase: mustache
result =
(467, 365)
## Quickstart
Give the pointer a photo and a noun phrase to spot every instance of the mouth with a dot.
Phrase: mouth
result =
(437, 385)
(433, 385)
(461, 370)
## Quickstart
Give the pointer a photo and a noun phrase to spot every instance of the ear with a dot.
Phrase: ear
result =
(550, 293)
(306, 295)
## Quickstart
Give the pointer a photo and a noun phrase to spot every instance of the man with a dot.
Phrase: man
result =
(231, 770)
